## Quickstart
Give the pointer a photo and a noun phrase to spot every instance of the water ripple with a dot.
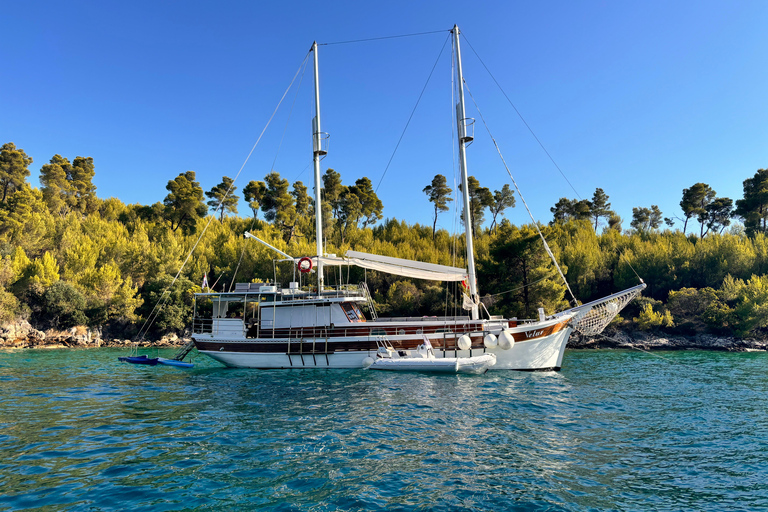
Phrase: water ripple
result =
(613, 431)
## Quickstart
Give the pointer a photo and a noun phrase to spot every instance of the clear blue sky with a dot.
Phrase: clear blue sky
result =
(641, 99)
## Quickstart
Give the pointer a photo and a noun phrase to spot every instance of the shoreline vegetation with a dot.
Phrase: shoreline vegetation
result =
(72, 263)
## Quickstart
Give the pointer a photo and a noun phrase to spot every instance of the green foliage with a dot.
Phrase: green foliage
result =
(279, 205)
(520, 271)
(59, 307)
(68, 257)
(600, 207)
(68, 186)
(44, 271)
(223, 198)
(479, 199)
(439, 194)
(694, 203)
(184, 203)
(650, 319)
(718, 215)
(253, 194)
(371, 206)
(741, 306)
(14, 169)
(645, 220)
(9, 305)
(175, 314)
(753, 208)
(570, 209)
(25, 220)
(500, 201)
(689, 305)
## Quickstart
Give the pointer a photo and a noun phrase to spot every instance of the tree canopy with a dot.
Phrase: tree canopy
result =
(222, 197)
(68, 257)
(14, 169)
(184, 203)
(439, 194)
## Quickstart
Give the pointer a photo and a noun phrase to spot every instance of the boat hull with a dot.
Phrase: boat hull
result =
(473, 365)
(543, 353)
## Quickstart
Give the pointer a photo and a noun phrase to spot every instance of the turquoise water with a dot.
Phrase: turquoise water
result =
(613, 430)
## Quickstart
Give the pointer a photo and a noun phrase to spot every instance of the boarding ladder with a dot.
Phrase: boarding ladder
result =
(367, 292)
(183, 351)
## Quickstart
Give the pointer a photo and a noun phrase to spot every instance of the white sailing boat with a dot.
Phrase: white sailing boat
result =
(299, 327)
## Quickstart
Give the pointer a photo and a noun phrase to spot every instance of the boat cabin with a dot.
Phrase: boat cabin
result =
(257, 310)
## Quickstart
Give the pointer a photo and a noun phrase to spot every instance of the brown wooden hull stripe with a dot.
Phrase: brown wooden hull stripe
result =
(301, 343)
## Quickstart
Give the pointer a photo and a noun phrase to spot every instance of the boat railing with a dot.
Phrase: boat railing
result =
(329, 292)
(202, 325)
(423, 319)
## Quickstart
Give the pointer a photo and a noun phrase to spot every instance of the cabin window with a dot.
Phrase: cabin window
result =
(378, 332)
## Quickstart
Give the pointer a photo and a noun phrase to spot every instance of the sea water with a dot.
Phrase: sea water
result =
(614, 430)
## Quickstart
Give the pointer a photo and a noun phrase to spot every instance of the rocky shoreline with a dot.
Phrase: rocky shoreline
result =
(645, 340)
(21, 335)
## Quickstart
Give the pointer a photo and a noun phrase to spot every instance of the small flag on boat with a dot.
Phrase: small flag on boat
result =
(205, 281)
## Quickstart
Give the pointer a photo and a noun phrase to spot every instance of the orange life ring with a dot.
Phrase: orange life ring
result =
(302, 268)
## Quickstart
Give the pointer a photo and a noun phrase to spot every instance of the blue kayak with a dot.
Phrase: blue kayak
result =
(174, 362)
(143, 359)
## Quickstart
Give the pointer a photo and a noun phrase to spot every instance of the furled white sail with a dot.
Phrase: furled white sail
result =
(407, 268)
(396, 266)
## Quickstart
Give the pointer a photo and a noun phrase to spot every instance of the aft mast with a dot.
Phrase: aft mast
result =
(317, 152)
(461, 119)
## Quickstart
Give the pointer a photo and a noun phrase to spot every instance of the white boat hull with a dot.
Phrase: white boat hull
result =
(539, 354)
(473, 365)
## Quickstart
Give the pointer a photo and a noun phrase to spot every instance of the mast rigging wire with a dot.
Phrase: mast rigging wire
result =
(412, 112)
(380, 38)
(521, 117)
(165, 295)
(544, 240)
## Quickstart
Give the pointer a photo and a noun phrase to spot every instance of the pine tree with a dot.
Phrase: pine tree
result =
(479, 199)
(500, 201)
(753, 208)
(58, 191)
(14, 169)
(439, 194)
(646, 219)
(82, 188)
(371, 206)
(279, 205)
(184, 203)
(694, 203)
(522, 273)
(222, 197)
(253, 194)
(599, 206)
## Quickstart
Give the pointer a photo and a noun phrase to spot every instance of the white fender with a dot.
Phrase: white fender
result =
(464, 342)
(490, 341)
(506, 340)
